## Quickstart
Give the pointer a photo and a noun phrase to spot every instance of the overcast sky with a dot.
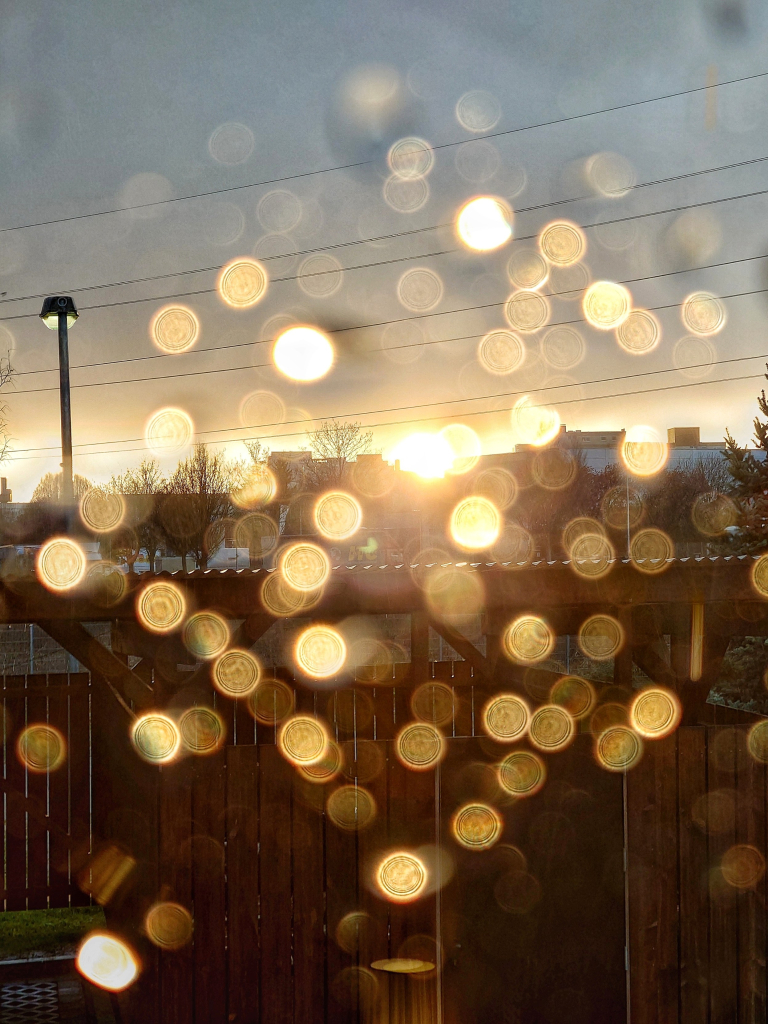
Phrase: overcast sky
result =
(113, 105)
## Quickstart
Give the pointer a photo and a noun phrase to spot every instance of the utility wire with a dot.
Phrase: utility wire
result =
(376, 238)
(362, 163)
(426, 405)
(416, 344)
(522, 238)
(480, 412)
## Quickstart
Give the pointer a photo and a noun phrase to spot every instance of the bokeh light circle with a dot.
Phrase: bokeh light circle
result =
(305, 566)
(618, 748)
(231, 144)
(206, 635)
(601, 637)
(529, 640)
(527, 269)
(60, 564)
(338, 515)
(329, 765)
(433, 702)
(643, 452)
(411, 158)
(255, 486)
(41, 748)
(419, 290)
(282, 600)
(168, 431)
(156, 737)
(475, 524)
(522, 773)
(405, 195)
(534, 424)
(476, 826)
(610, 174)
(401, 877)
(271, 701)
(526, 310)
(351, 808)
(320, 276)
(107, 962)
(606, 305)
(303, 740)
(501, 352)
(242, 283)
(639, 333)
(563, 348)
(655, 712)
(575, 694)
(484, 224)
(161, 607)
(702, 313)
(303, 353)
(236, 673)
(478, 111)
(506, 717)
(420, 746)
(168, 925)
(174, 329)
(102, 511)
(551, 728)
(650, 550)
(743, 866)
(554, 468)
(591, 555)
(713, 513)
(202, 730)
(563, 243)
(321, 652)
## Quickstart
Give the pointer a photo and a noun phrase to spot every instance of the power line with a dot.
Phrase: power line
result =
(522, 238)
(362, 163)
(380, 238)
(419, 344)
(428, 405)
(480, 412)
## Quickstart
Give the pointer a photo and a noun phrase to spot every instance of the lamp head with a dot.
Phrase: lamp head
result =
(53, 306)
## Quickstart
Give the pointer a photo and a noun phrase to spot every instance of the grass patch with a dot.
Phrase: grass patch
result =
(29, 933)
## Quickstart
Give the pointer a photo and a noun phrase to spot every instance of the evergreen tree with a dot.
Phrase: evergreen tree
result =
(749, 485)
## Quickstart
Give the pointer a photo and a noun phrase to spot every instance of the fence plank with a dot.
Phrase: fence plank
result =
(243, 882)
(16, 799)
(723, 910)
(208, 887)
(694, 877)
(275, 990)
(80, 781)
(37, 806)
(177, 974)
(308, 905)
(751, 831)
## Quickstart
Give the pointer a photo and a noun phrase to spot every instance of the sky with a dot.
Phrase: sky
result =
(113, 106)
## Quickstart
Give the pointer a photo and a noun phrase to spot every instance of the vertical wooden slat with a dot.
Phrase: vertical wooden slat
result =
(308, 907)
(243, 883)
(37, 806)
(643, 907)
(60, 788)
(275, 989)
(177, 974)
(723, 910)
(751, 831)
(208, 887)
(80, 783)
(15, 799)
(666, 880)
(694, 879)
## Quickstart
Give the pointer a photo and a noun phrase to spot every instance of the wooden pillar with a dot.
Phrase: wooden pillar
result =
(622, 663)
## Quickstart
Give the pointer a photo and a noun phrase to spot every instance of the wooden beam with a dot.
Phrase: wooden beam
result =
(100, 662)
(647, 657)
(463, 647)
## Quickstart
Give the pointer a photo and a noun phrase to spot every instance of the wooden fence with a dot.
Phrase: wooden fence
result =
(697, 943)
(46, 817)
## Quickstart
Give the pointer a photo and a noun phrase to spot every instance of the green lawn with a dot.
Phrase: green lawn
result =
(26, 933)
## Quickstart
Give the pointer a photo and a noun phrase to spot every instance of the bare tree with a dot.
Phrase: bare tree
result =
(141, 530)
(6, 377)
(50, 487)
(333, 445)
(196, 500)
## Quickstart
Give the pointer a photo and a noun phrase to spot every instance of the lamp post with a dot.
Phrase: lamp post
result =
(59, 313)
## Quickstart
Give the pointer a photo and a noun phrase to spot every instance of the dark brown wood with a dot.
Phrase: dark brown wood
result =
(37, 805)
(16, 798)
(243, 954)
(208, 874)
(751, 831)
(59, 700)
(694, 876)
(723, 903)
(276, 975)
(309, 938)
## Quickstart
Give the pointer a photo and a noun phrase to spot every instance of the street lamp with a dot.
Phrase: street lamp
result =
(59, 313)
